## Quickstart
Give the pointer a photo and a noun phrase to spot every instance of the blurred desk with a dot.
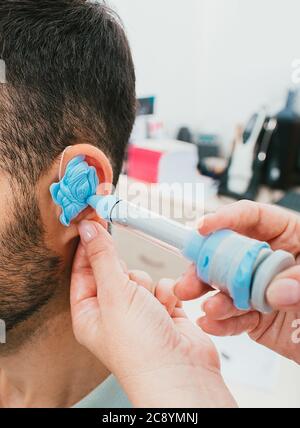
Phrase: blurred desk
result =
(265, 196)
(209, 200)
(257, 377)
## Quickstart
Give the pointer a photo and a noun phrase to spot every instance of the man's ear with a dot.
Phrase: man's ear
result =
(94, 157)
(59, 235)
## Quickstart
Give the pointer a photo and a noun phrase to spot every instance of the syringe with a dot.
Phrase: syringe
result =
(240, 266)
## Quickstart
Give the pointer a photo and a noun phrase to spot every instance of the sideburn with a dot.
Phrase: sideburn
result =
(29, 271)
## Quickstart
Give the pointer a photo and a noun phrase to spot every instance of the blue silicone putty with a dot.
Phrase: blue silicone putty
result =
(79, 183)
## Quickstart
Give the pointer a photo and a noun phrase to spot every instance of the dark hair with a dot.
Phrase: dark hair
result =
(69, 75)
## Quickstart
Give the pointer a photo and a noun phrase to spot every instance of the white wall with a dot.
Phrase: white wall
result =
(212, 62)
(164, 36)
(246, 57)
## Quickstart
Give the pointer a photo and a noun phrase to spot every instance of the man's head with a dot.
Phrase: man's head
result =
(70, 80)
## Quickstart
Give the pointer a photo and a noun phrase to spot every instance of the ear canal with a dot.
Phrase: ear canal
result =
(72, 192)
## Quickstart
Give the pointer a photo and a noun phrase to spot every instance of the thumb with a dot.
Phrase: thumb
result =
(102, 256)
(284, 291)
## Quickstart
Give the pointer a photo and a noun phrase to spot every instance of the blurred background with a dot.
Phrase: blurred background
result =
(212, 63)
(218, 85)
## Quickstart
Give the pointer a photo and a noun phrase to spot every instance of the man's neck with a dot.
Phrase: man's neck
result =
(50, 370)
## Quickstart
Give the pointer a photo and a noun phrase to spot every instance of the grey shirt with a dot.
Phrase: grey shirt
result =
(107, 395)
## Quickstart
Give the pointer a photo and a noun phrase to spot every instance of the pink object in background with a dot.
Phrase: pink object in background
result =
(143, 164)
(163, 161)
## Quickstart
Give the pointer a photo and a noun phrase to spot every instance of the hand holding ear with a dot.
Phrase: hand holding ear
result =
(145, 341)
(277, 330)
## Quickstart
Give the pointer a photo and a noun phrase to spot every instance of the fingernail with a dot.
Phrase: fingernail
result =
(87, 231)
(284, 292)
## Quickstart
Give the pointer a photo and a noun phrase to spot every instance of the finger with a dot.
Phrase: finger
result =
(179, 304)
(81, 261)
(237, 216)
(83, 297)
(284, 293)
(165, 294)
(230, 327)
(220, 307)
(247, 218)
(190, 287)
(179, 313)
(143, 279)
(83, 285)
(103, 259)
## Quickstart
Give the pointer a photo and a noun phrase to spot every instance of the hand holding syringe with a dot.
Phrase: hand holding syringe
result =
(235, 264)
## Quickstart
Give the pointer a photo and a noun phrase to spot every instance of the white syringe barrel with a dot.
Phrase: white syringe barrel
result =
(160, 228)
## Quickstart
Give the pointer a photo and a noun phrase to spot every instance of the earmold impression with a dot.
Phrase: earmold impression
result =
(72, 192)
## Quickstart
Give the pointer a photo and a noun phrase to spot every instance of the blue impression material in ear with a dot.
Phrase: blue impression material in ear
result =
(79, 183)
